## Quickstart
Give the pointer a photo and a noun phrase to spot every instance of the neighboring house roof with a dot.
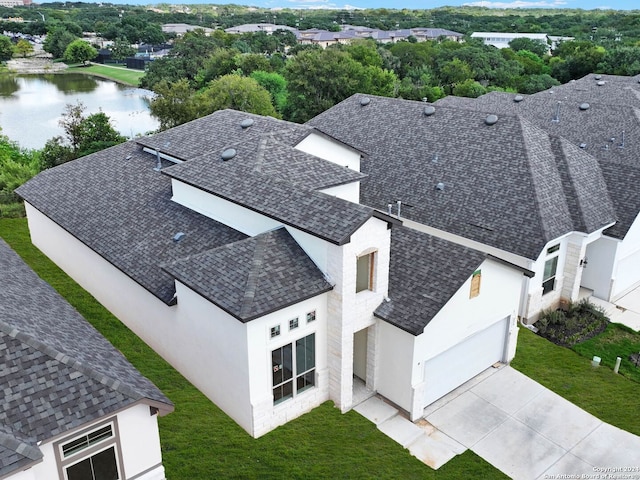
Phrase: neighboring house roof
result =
(593, 117)
(114, 202)
(253, 277)
(57, 372)
(503, 185)
(419, 283)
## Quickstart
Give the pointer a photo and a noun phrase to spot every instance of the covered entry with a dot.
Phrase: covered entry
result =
(464, 360)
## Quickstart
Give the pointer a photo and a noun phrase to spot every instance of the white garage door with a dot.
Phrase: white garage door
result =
(464, 361)
(627, 276)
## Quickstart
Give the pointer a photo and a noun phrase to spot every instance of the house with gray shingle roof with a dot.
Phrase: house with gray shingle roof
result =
(236, 246)
(600, 115)
(71, 405)
(504, 184)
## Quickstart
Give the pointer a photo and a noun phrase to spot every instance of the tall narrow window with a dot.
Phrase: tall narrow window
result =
(364, 272)
(286, 367)
(549, 276)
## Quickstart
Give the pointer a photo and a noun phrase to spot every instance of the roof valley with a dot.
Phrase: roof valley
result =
(257, 264)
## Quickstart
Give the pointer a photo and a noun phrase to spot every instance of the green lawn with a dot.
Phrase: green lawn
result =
(616, 341)
(610, 397)
(201, 442)
(117, 73)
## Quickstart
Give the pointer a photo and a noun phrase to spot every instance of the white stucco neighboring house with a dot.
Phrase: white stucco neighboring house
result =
(73, 408)
(502, 39)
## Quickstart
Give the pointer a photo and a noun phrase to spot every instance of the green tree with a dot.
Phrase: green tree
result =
(79, 51)
(276, 85)
(24, 47)
(82, 135)
(536, 83)
(222, 61)
(57, 42)
(536, 46)
(622, 60)
(469, 88)
(454, 72)
(251, 62)
(235, 92)
(173, 104)
(6, 48)
(16, 167)
(121, 49)
(318, 79)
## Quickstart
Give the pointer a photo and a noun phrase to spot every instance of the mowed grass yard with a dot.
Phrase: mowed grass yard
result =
(118, 73)
(200, 442)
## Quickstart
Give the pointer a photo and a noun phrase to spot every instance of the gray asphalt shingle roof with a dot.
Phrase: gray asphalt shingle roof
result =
(57, 371)
(599, 130)
(504, 184)
(115, 203)
(424, 273)
(253, 277)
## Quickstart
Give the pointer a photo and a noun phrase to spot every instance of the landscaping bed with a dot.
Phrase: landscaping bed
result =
(573, 324)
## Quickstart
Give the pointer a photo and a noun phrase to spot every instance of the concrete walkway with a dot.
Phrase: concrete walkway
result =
(625, 310)
(514, 423)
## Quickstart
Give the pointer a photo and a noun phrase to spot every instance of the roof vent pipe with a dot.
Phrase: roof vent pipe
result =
(246, 123)
(518, 98)
(399, 203)
(178, 236)
(365, 101)
(556, 117)
(389, 207)
(622, 143)
(430, 110)
(158, 166)
(598, 77)
(600, 83)
(584, 106)
(440, 186)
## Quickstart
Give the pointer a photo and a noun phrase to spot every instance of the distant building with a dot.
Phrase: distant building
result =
(14, 3)
(324, 38)
(181, 28)
(502, 39)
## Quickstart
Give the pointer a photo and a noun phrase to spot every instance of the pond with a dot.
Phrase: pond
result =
(32, 105)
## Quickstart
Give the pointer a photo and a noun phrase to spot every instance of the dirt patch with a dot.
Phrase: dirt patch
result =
(35, 65)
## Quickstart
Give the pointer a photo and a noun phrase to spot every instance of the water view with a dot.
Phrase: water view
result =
(31, 105)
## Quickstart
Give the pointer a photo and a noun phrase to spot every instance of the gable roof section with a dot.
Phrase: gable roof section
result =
(115, 203)
(57, 371)
(253, 277)
(424, 273)
(329, 218)
(491, 173)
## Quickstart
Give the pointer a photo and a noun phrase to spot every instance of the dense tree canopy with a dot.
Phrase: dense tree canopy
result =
(6, 48)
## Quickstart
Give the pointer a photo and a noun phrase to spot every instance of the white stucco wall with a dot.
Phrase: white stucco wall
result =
(348, 191)
(402, 355)
(139, 443)
(266, 415)
(598, 273)
(330, 150)
(627, 263)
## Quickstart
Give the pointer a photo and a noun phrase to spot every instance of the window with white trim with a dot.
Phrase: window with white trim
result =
(550, 268)
(293, 372)
(293, 323)
(311, 316)
(275, 331)
(91, 456)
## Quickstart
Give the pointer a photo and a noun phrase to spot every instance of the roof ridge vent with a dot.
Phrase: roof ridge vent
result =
(491, 119)
(246, 123)
(429, 110)
(228, 154)
(584, 106)
(364, 101)
(518, 98)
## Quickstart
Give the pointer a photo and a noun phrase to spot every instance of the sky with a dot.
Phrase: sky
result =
(427, 4)
(420, 4)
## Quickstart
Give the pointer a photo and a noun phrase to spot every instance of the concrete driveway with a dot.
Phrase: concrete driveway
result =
(529, 432)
